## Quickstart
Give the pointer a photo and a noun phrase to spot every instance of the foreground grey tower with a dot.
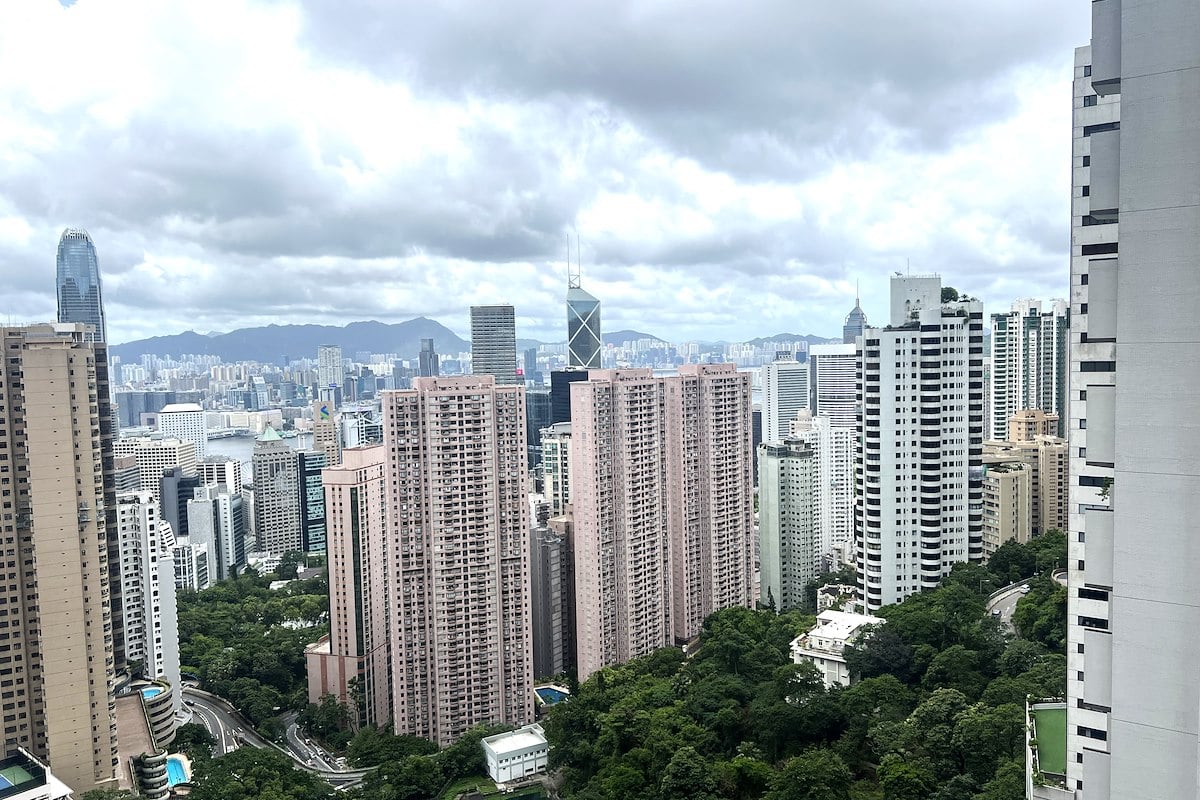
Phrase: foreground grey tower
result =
(494, 343)
(1133, 687)
(78, 279)
(583, 326)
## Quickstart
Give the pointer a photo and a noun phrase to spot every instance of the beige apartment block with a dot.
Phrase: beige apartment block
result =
(458, 558)
(155, 455)
(1030, 423)
(1006, 516)
(59, 664)
(356, 530)
(1048, 460)
(661, 495)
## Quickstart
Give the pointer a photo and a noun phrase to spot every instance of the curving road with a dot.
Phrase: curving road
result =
(230, 733)
(1006, 603)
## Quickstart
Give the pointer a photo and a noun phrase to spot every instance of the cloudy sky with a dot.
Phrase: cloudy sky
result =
(732, 169)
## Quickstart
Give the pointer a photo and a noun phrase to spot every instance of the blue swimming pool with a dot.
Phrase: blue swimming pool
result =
(151, 691)
(550, 695)
(176, 771)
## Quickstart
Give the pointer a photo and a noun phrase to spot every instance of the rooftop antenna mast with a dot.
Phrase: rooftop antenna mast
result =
(573, 273)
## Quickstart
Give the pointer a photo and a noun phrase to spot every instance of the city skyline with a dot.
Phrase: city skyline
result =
(734, 193)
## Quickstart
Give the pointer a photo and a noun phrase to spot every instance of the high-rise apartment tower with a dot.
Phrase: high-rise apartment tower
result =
(56, 540)
(1029, 363)
(919, 474)
(357, 646)
(660, 482)
(458, 557)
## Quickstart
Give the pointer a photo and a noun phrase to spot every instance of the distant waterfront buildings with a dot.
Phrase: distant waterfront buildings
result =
(427, 360)
(78, 279)
(185, 421)
(330, 372)
(458, 590)
(919, 475)
(276, 471)
(154, 456)
(494, 343)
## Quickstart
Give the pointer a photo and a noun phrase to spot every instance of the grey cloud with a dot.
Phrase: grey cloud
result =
(767, 88)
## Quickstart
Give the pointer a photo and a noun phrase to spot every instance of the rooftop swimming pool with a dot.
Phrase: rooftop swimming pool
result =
(550, 695)
(151, 691)
(177, 770)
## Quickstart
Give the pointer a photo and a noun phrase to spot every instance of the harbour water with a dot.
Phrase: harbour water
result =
(241, 448)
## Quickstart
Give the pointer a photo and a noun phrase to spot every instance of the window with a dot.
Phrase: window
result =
(1087, 161)
(1098, 366)
(1088, 130)
(1089, 100)
(1087, 73)
(1087, 191)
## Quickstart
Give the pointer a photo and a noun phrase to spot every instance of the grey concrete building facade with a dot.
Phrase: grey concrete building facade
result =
(1133, 693)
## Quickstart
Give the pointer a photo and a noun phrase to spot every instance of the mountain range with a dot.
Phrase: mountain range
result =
(276, 343)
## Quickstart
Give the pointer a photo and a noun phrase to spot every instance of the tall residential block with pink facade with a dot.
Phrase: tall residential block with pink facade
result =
(458, 568)
(356, 648)
(662, 492)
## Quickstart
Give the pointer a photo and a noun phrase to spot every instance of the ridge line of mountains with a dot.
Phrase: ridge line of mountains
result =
(271, 343)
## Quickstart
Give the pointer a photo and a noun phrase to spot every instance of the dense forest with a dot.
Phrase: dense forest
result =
(246, 642)
(938, 711)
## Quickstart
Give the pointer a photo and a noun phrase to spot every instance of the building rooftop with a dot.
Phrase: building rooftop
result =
(173, 407)
(23, 777)
(842, 624)
(531, 736)
(1050, 730)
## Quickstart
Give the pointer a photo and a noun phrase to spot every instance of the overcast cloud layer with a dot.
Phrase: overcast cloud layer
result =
(732, 169)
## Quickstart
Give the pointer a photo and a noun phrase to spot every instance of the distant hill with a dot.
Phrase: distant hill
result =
(794, 337)
(617, 337)
(272, 342)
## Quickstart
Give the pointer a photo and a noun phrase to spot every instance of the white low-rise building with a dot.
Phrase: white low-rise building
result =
(517, 754)
(824, 644)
